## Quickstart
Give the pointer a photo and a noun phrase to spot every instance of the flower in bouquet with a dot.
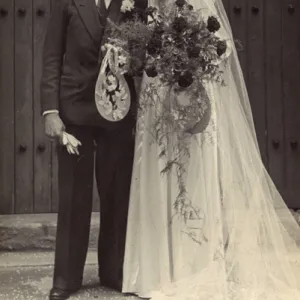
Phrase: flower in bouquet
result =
(154, 45)
(180, 3)
(193, 51)
(186, 79)
(221, 47)
(213, 24)
(127, 6)
(152, 12)
(180, 24)
(190, 7)
(151, 71)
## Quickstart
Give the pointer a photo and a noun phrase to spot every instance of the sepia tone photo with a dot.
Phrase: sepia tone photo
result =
(149, 149)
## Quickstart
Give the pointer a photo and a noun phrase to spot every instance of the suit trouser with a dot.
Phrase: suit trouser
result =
(114, 151)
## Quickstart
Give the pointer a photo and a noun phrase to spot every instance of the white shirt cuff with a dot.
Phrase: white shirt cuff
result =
(50, 112)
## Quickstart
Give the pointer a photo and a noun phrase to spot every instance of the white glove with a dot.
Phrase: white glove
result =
(71, 143)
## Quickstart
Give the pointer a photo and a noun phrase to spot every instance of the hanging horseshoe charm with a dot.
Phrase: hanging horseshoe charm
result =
(112, 93)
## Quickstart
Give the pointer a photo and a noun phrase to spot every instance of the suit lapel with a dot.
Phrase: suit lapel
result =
(88, 12)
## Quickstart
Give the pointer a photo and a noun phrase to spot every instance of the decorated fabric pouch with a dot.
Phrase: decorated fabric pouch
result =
(112, 94)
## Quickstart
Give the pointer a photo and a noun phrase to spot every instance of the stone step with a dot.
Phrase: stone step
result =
(24, 259)
(36, 232)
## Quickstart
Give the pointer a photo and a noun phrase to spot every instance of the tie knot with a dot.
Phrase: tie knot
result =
(101, 3)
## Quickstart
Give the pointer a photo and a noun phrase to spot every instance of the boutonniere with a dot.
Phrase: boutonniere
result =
(127, 6)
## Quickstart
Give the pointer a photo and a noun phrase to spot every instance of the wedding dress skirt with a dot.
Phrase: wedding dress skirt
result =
(244, 245)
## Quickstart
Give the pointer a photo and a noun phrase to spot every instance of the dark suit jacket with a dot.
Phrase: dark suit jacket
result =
(71, 59)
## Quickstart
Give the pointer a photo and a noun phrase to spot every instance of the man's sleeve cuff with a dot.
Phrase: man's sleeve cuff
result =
(50, 112)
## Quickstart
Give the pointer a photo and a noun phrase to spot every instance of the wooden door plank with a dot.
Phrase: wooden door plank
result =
(54, 165)
(291, 96)
(23, 106)
(226, 5)
(273, 42)
(256, 71)
(42, 146)
(7, 177)
(237, 11)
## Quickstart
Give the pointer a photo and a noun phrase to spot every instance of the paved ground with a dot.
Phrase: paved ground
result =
(28, 276)
(33, 283)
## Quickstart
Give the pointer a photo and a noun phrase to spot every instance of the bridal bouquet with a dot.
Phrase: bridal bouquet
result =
(183, 55)
(184, 49)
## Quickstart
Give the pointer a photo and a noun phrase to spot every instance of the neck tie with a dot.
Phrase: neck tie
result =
(102, 13)
(102, 8)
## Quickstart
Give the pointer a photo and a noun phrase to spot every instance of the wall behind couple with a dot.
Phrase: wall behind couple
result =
(269, 31)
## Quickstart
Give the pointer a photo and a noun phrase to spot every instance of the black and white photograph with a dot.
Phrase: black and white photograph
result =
(150, 149)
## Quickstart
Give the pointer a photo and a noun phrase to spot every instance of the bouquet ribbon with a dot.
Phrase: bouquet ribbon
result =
(110, 59)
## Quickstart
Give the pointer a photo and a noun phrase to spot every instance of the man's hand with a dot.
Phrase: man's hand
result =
(54, 126)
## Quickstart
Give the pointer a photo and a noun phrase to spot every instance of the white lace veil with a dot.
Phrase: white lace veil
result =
(251, 234)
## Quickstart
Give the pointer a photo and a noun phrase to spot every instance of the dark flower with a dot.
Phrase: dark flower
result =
(194, 51)
(180, 24)
(179, 41)
(180, 3)
(194, 34)
(151, 71)
(190, 7)
(186, 79)
(150, 11)
(159, 30)
(135, 13)
(221, 48)
(154, 45)
(213, 24)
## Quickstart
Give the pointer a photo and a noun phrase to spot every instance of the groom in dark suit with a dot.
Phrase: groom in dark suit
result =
(72, 60)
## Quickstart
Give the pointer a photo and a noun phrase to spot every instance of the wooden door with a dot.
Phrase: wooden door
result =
(25, 155)
(269, 31)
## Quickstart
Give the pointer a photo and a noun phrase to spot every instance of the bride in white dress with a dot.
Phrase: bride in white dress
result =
(241, 247)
